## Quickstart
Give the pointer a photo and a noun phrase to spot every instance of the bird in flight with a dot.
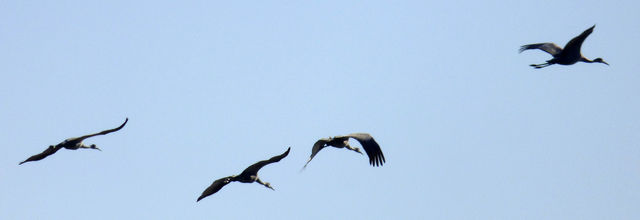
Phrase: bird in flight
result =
(249, 175)
(71, 144)
(569, 55)
(376, 158)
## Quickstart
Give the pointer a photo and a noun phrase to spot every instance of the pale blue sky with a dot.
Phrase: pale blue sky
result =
(469, 130)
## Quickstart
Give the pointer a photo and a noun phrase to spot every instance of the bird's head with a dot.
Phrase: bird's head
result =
(268, 185)
(600, 60)
(358, 150)
(93, 146)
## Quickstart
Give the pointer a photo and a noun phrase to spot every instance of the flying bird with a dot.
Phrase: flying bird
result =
(376, 158)
(249, 175)
(72, 144)
(569, 55)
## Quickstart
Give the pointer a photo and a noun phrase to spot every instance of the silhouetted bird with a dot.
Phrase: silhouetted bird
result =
(376, 158)
(567, 56)
(249, 175)
(71, 144)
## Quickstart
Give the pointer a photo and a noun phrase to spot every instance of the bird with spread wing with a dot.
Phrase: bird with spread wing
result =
(72, 144)
(569, 55)
(371, 147)
(249, 175)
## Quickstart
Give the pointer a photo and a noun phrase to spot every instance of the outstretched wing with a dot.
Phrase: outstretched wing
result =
(550, 48)
(316, 148)
(253, 169)
(376, 158)
(102, 132)
(215, 187)
(576, 43)
(50, 150)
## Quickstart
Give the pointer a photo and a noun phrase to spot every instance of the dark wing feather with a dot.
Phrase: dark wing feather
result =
(253, 169)
(550, 48)
(376, 158)
(215, 187)
(575, 44)
(316, 148)
(102, 132)
(50, 150)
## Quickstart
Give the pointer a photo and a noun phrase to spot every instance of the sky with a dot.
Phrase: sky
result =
(468, 129)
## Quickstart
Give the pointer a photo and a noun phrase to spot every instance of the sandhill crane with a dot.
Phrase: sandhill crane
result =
(249, 175)
(376, 158)
(72, 144)
(569, 55)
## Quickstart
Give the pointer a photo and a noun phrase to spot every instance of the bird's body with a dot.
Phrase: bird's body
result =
(248, 175)
(571, 53)
(72, 144)
(371, 147)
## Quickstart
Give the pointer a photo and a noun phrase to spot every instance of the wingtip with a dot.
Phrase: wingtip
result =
(377, 162)
(287, 152)
(123, 124)
(523, 48)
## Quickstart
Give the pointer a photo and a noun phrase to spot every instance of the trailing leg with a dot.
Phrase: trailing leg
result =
(538, 66)
(266, 184)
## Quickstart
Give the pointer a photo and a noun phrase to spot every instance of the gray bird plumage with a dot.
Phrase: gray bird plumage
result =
(371, 147)
(569, 55)
(71, 144)
(248, 175)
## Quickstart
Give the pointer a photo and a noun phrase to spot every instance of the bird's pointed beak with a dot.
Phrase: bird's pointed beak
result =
(605, 63)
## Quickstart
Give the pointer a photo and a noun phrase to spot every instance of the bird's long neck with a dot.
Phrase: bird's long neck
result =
(586, 60)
